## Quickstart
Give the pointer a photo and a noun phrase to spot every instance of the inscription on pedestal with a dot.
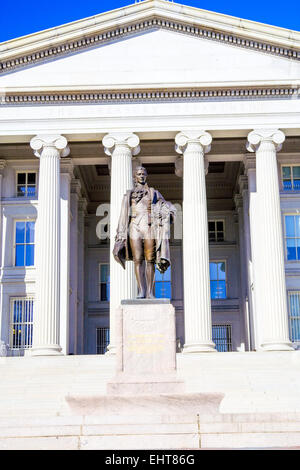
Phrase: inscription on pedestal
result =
(146, 343)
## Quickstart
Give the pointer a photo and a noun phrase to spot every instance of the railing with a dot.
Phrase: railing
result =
(222, 337)
(21, 324)
(102, 340)
(294, 315)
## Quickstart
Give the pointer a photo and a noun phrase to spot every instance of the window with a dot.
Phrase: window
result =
(221, 336)
(21, 323)
(291, 177)
(24, 243)
(216, 230)
(294, 315)
(163, 284)
(292, 237)
(102, 340)
(104, 282)
(26, 184)
(217, 271)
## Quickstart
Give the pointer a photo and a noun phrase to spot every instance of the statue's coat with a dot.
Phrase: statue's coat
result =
(160, 227)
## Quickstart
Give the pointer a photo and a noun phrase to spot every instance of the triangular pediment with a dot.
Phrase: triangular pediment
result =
(154, 58)
(153, 45)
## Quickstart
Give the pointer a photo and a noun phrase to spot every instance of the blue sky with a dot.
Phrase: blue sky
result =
(18, 18)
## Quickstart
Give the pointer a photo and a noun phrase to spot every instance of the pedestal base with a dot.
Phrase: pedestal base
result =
(145, 349)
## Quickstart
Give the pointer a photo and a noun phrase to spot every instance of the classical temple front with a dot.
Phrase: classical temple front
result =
(209, 105)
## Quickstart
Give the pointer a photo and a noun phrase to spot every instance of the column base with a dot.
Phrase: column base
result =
(277, 346)
(54, 350)
(199, 347)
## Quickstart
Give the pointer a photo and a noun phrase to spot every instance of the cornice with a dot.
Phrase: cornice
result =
(150, 95)
(185, 20)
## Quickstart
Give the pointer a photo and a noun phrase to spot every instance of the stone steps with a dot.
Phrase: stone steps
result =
(236, 407)
(147, 432)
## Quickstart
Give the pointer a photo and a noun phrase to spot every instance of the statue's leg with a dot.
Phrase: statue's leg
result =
(136, 245)
(140, 279)
(149, 245)
(150, 276)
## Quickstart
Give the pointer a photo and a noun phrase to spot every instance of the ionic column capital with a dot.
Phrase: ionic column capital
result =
(42, 142)
(260, 136)
(184, 139)
(121, 139)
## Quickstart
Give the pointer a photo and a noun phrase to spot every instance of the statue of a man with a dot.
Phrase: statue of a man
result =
(143, 232)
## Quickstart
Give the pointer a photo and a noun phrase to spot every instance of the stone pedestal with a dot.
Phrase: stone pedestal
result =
(145, 348)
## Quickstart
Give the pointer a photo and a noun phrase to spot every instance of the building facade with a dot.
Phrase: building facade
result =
(209, 104)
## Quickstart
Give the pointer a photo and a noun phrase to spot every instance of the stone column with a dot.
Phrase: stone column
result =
(82, 211)
(49, 148)
(245, 327)
(4, 336)
(120, 147)
(272, 305)
(247, 184)
(66, 175)
(2, 166)
(74, 275)
(197, 304)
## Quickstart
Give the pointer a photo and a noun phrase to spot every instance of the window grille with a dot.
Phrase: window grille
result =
(292, 237)
(26, 184)
(222, 337)
(21, 323)
(291, 178)
(216, 230)
(102, 340)
(217, 271)
(294, 315)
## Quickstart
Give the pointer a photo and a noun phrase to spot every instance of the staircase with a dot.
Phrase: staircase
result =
(232, 400)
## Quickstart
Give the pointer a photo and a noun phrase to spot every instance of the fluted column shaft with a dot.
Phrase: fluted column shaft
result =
(46, 318)
(273, 303)
(121, 147)
(197, 303)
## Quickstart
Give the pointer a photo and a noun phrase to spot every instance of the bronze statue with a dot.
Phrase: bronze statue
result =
(143, 232)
